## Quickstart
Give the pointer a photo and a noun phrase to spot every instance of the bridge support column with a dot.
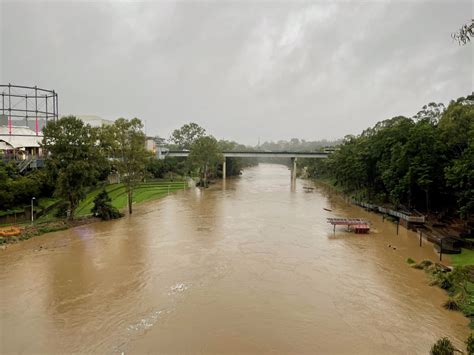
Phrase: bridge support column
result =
(224, 169)
(293, 171)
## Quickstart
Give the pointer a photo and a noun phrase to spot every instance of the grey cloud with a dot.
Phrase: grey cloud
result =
(243, 70)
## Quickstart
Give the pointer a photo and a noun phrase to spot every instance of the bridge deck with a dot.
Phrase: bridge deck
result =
(255, 154)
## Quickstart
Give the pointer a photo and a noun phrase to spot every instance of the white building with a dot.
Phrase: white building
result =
(21, 144)
(94, 121)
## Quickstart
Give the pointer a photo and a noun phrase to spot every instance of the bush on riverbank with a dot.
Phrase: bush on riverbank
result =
(470, 344)
(458, 283)
(103, 208)
(423, 265)
(443, 347)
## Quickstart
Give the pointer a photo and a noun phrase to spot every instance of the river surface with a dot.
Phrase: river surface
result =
(248, 266)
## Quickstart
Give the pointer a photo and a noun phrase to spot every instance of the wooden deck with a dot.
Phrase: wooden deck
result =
(358, 225)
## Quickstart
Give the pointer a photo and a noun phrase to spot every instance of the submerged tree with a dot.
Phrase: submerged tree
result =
(204, 156)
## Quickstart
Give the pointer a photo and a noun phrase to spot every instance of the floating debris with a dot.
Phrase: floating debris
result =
(178, 288)
(145, 323)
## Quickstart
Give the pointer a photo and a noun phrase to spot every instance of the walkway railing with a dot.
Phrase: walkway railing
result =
(401, 215)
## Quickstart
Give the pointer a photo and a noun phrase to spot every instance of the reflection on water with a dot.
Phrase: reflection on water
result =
(248, 267)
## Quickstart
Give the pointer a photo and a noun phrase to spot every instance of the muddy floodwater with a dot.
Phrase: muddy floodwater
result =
(248, 266)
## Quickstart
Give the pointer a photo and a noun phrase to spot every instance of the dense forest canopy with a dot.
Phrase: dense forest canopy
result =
(425, 162)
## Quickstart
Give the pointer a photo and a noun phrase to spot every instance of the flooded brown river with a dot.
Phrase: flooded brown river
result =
(249, 267)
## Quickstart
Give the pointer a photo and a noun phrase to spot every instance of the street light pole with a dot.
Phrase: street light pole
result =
(32, 214)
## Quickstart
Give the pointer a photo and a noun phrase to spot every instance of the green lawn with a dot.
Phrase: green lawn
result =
(465, 258)
(143, 192)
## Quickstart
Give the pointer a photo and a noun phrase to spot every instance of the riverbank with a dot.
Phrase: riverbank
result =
(49, 222)
(466, 257)
(30, 231)
(457, 280)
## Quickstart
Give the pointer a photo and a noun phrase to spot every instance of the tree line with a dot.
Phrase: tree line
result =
(79, 157)
(205, 155)
(424, 162)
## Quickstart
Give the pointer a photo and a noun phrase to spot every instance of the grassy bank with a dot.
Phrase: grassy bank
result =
(145, 191)
(457, 282)
(463, 259)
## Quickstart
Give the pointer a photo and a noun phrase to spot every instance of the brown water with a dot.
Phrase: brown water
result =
(248, 267)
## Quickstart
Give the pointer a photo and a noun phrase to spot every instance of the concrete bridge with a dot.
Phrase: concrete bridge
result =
(163, 153)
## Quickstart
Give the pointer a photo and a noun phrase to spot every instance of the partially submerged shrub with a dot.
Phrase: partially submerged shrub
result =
(411, 261)
(103, 208)
(470, 344)
(426, 263)
(423, 264)
(451, 304)
(445, 284)
(442, 347)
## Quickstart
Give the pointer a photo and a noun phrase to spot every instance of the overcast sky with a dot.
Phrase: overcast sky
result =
(241, 69)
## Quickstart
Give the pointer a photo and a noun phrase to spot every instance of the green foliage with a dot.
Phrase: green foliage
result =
(165, 168)
(61, 211)
(424, 163)
(126, 142)
(103, 208)
(442, 347)
(451, 304)
(75, 159)
(423, 264)
(234, 166)
(204, 156)
(16, 189)
(470, 344)
(463, 259)
(185, 136)
(144, 191)
(410, 261)
(157, 167)
(459, 284)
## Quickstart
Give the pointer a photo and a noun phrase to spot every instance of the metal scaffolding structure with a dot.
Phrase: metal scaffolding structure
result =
(24, 105)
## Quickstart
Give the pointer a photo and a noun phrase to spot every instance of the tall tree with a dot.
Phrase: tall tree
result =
(130, 156)
(204, 156)
(74, 160)
(460, 177)
(185, 136)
